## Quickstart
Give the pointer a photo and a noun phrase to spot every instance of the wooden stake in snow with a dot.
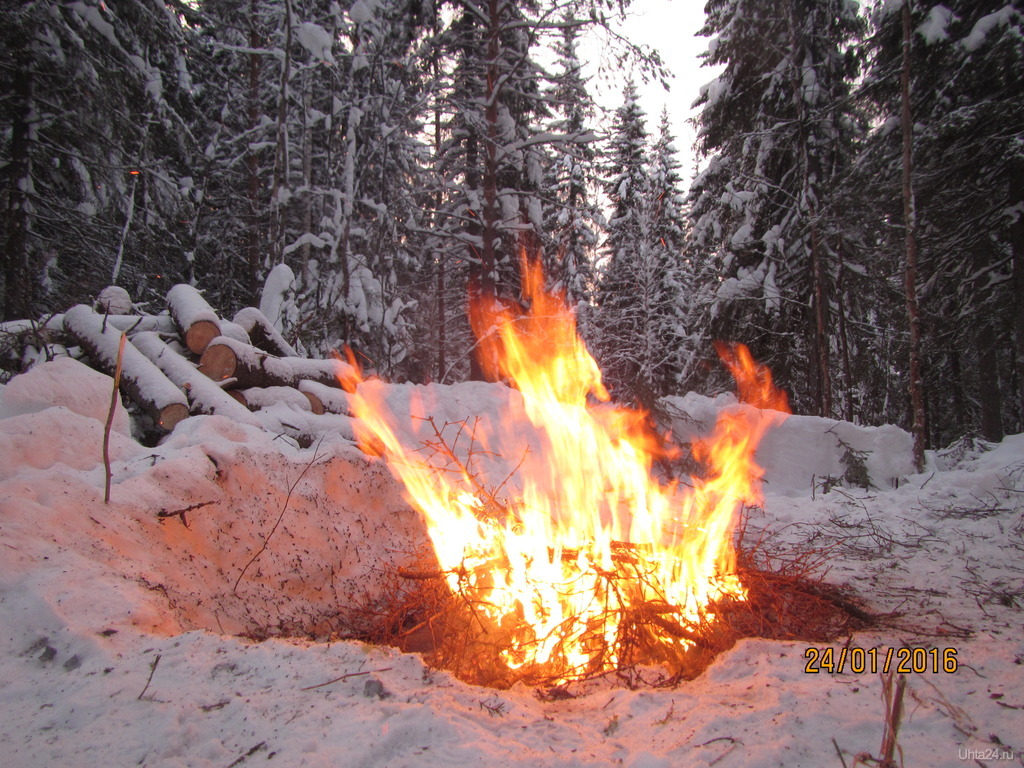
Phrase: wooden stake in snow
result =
(110, 417)
(140, 379)
(198, 323)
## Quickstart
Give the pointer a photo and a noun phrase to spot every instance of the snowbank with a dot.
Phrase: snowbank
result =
(805, 453)
(122, 638)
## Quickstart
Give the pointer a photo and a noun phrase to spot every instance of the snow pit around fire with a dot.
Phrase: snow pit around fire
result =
(122, 641)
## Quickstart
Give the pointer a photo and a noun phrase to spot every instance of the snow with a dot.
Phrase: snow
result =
(190, 307)
(985, 25)
(316, 40)
(276, 289)
(114, 300)
(935, 28)
(123, 642)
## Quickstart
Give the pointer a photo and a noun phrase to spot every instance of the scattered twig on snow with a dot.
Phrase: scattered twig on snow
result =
(212, 707)
(730, 739)
(494, 710)
(242, 758)
(163, 514)
(152, 670)
(284, 507)
(839, 752)
(346, 677)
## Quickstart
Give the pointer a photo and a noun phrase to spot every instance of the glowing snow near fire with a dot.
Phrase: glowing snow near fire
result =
(586, 562)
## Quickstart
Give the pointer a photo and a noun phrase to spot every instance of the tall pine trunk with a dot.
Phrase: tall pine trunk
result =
(252, 256)
(910, 270)
(18, 278)
(1017, 246)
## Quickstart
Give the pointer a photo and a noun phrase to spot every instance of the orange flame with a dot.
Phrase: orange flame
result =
(587, 543)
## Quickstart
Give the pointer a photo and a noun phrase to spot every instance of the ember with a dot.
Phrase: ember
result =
(587, 562)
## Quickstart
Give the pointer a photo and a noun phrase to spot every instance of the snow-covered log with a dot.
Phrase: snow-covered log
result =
(196, 320)
(140, 378)
(54, 324)
(332, 399)
(205, 396)
(234, 331)
(263, 333)
(114, 300)
(226, 358)
(258, 398)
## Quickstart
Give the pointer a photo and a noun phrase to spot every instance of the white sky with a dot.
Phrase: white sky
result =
(669, 26)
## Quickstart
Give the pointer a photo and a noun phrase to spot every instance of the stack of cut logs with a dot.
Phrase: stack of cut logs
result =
(191, 361)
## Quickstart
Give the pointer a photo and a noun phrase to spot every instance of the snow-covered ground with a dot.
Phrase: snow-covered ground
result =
(123, 632)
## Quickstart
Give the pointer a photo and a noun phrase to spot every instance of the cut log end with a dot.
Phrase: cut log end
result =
(171, 414)
(315, 402)
(199, 335)
(218, 362)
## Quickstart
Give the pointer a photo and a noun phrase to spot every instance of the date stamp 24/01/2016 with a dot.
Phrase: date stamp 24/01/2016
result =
(835, 661)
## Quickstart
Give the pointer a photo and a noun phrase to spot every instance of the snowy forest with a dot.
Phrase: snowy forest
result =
(857, 218)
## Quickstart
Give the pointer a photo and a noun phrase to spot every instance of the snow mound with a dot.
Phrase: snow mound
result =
(63, 382)
(806, 451)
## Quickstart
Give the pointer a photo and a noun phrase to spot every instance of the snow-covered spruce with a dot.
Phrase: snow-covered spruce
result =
(140, 378)
(205, 396)
(226, 358)
(196, 320)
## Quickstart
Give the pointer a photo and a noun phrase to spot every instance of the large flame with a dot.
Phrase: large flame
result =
(589, 551)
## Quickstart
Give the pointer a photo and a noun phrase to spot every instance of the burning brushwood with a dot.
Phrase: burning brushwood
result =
(585, 563)
(140, 378)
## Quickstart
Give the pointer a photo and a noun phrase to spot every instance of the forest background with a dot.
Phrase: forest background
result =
(859, 205)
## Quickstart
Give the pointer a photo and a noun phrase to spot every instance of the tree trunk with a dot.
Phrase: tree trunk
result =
(823, 377)
(441, 283)
(988, 385)
(18, 277)
(254, 255)
(281, 158)
(484, 287)
(910, 270)
(141, 380)
(844, 339)
(1017, 246)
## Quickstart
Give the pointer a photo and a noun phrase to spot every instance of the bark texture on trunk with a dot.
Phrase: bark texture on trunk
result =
(910, 269)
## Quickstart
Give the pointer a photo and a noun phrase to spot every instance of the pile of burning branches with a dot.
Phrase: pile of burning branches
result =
(448, 614)
(578, 562)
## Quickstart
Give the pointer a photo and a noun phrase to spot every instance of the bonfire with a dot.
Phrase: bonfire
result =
(584, 560)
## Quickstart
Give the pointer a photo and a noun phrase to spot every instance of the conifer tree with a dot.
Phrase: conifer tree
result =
(99, 176)
(775, 127)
